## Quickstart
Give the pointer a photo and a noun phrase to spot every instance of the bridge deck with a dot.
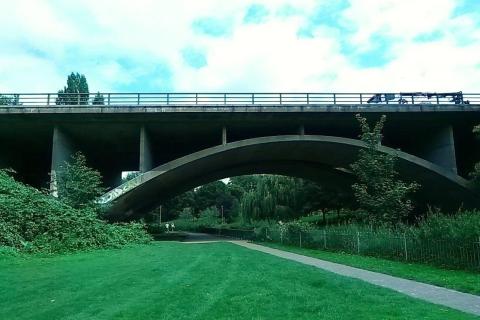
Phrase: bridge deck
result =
(341, 108)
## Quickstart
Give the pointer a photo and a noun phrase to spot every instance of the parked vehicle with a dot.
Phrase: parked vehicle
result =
(418, 98)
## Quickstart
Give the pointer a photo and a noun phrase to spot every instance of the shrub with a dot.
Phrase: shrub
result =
(463, 226)
(33, 221)
(78, 185)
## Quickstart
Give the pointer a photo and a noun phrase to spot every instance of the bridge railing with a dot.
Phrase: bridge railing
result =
(229, 99)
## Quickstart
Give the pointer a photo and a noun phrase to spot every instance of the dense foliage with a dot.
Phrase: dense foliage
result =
(33, 221)
(475, 174)
(78, 185)
(246, 199)
(75, 92)
(9, 100)
(379, 192)
(99, 99)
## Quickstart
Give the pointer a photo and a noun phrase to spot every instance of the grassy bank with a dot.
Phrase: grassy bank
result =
(454, 279)
(169, 280)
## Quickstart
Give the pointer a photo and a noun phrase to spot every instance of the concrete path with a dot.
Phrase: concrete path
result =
(456, 300)
(195, 237)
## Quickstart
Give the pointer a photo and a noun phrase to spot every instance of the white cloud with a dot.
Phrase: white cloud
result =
(254, 57)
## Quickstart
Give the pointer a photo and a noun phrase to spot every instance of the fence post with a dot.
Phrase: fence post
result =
(324, 239)
(48, 99)
(405, 246)
(281, 237)
(478, 256)
(358, 242)
(300, 238)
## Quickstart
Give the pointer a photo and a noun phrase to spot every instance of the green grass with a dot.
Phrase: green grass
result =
(454, 279)
(169, 280)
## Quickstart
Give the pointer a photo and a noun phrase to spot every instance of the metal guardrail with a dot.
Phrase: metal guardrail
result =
(232, 99)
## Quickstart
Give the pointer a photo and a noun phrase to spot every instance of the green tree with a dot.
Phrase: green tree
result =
(12, 100)
(76, 92)
(78, 185)
(98, 99)
(378, 191)
(475, 174)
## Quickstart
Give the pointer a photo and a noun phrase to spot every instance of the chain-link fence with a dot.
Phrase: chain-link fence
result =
(450, 254)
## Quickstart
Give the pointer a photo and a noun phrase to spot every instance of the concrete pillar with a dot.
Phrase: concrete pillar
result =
(441, 148)
(301, 130)
(224, 135)
(146, 156)
(62, 150)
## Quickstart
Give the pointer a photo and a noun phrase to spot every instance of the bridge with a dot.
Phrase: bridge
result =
(182, 140)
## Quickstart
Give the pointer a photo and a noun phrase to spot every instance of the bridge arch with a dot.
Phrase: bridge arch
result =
(315, 157)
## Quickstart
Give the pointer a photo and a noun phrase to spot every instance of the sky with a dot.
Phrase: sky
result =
(241, 45)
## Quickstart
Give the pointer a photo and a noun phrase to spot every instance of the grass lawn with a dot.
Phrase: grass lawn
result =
(170, 280)
(454, 279)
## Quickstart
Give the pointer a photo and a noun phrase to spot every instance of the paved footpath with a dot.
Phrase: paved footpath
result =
(456, 300)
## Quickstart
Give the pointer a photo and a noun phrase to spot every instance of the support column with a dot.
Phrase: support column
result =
(301, 130)
(146, 156)
(62, 150)
(441, 149)
(224, 135)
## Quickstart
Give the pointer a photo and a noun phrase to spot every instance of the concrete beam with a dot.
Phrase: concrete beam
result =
(62, 150)
(224, 135)
(441, 148)
(146, 155)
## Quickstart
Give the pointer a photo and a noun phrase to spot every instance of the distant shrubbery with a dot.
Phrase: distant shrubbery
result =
(207, 218)
(32, 221)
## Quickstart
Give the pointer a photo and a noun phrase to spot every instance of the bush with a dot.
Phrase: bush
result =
(78, 185)
(32, 221)
(463, 226)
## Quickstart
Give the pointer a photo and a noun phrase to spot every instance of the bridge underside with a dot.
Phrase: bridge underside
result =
(216, 142)
(324, 159)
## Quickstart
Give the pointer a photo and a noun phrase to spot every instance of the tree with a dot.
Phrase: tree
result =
(98, 99)
(475, 174)
(78, 185)
(379, 191)
(9, 100)
(76, 92)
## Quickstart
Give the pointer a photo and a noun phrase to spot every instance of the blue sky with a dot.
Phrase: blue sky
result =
(241, 45)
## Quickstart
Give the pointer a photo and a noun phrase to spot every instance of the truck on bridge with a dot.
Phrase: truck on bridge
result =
(419, 98)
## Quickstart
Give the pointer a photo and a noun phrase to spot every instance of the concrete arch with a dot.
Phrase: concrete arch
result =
(314, 157)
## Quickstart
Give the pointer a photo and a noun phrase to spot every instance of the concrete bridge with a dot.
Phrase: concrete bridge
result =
(180, 141)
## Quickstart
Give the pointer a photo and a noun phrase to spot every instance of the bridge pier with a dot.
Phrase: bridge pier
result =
(146, 155)
(224, 135)
(62, 150)
(440, 148)
(301, 130)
